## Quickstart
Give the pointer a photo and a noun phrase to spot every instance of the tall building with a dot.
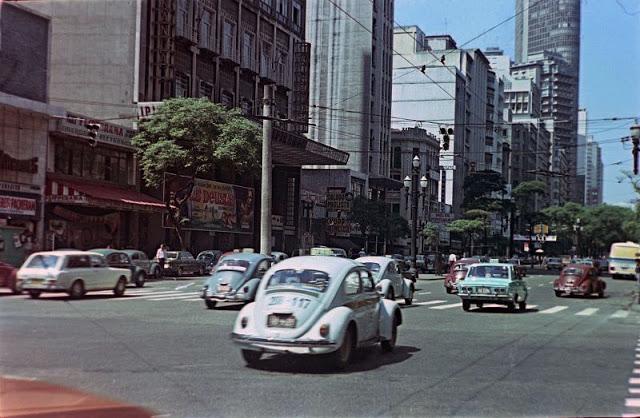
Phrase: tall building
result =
(548, 32)
(581, 154)
(594, 171)
(350, 86)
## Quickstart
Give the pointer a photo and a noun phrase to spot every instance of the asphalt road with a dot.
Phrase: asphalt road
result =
(159, 347)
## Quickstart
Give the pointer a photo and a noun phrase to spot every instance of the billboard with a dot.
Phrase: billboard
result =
(207, 205)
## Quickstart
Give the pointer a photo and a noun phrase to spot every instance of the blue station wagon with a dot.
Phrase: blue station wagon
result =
(496, 283)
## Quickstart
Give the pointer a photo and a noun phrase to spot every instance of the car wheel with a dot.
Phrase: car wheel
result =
(211, 304)
(251, 357)
(77, 289)
(601, 293)
(121, 286)
(522, 306)
(342, 356)
(448, 289)
(466, 305)
(16, 288)
(157, 273)
(479, 305)
(558, 293)
(511, 306)
(389, 345)
(180, 271)
(390, 295)
(34, 294)
(140, 279)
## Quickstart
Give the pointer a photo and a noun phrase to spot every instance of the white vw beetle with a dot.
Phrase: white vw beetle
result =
(316, 305)
(388, 278)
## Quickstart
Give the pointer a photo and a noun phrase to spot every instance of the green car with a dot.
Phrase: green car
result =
(495, 283)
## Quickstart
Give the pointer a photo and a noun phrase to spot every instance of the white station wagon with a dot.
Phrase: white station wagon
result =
(73, 272)
(316, 305)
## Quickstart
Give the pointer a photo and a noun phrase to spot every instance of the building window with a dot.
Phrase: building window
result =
(94, 163)
(226, 98)
(291, 201)
(397, 158)
(283, 7)
(265, 58)
(297, 14)
(281, 63)
(246, 106)
(228, 38)
(206, 90)
(183, 85)
(206, 30)
(182, 22)
(247, 49)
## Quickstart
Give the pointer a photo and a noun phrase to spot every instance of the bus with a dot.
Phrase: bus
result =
(622, 259)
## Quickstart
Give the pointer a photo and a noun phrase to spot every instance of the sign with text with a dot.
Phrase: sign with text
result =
(13, 205)
(146, 109)
(108, 134)
(338, 199)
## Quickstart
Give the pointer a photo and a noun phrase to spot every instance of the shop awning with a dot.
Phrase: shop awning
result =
(73, 192)
(296, 150)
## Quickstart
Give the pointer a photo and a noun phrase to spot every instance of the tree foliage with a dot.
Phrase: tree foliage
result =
(606, 224)
(431, 234)
(479, 188)
(194, 136)
(367, 213)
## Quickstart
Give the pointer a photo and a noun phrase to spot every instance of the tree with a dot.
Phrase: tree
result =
(523, 195)
(431, 234)
(193, 137)
(392, 228)
(479, 187)
(563, 218)
(367, 213)
(466, 228)
(606, 224)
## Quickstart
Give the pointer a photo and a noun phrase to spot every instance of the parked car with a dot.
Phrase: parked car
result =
(120, 259)
(209, 259)
(235, 279)
(579, 279)
(179, 263)
(316, 305)
(278, 256)
(151, 268)
(496, 283)
(554, 263)
(430, 263)
(73, 272)
(604, 265)
(519, 265)
(456, 273)
(388, 278)
(326, 251)
(8, 277)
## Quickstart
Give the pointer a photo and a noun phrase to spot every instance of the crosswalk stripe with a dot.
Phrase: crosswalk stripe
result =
(177, 294)
(634, 380)
(634, 390)
(172, 298)
(431, 302)
(620, 314)
(636, 371)
(632, 402)
(453, 305)
(423, 293)
(152, 295)
(553, 310)
(587, 312)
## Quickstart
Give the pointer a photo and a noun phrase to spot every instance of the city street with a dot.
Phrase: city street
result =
(159, 347)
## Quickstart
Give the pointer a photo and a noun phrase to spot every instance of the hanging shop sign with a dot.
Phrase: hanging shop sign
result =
(13, 205)
(108, 134)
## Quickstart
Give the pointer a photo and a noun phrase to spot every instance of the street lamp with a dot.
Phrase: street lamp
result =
(416, 186)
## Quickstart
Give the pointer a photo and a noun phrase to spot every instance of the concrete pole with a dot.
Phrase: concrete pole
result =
(266, 181)
(414, 217)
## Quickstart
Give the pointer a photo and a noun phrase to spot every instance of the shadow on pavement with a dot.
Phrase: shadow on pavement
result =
(363, 360)
(500, 310)
(227, 307)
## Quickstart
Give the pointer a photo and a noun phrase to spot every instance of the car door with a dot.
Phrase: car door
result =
(396, 278)
(519, 284)
(187, 262)
(79, 267)
(100, 273)
(354, 299)
(371, 305)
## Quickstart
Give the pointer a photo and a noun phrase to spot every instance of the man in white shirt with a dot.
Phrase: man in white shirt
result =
(452, 259)
(161, 256)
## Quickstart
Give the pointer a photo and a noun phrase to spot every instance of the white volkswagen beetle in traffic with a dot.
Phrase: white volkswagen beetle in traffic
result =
(316, 305)
(389, 280)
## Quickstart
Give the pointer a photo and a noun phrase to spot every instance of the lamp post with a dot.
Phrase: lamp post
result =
(411, 185)
(308, 203)
(577, 227)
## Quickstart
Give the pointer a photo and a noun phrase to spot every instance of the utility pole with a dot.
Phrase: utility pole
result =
(635, 139)
(266, 184)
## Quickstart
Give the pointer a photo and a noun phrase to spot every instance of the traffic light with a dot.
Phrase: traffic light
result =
(446, 137)
(92, 132)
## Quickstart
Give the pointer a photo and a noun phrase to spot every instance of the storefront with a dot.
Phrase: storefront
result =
(19, 218)
(90, 194)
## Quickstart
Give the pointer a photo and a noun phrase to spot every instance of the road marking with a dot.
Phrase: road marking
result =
(632, 402)
(172, 298)
(634, 390)
(634, 380)
(553, 310)
(453, 305)
(431, 302)
(541, 284)
(620, 314)
(636, 371)
(178, 294)
(152, 295)
(185, 286)
(423, 293)
(587, 312)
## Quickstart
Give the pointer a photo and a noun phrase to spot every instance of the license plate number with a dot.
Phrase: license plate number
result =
(223, 288)
(484, 290)
(278, 321)
(36, 281)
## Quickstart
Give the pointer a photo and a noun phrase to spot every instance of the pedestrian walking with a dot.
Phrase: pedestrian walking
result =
(161, 256)
(452, 260)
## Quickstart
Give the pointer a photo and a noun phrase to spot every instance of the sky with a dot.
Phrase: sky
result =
(609, 63)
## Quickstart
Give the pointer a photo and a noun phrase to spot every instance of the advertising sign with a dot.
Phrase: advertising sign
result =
(338, 199)
(108, 134)
(13, 205)
(207, 205)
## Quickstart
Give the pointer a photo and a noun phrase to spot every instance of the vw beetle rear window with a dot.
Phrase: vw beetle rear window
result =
(304, 279)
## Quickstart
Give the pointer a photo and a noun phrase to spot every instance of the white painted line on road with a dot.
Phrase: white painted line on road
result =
(634, 390)
(632, 402)
(541, 284)
(453, 305)
(152, 295)
(423, 293)
(184, 286)
(620, 314)
(172, 298)
(553, 310)
(587, 312)
(634, 380)
(172, 295)
(431, 302)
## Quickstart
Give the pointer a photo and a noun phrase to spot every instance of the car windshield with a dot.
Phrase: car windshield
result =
(304, 279)
(461, 267)
(572, 271)
(233, 264)
(227, 276)
(172, 254)
(496, 272)
(554, 260)
(43, 261)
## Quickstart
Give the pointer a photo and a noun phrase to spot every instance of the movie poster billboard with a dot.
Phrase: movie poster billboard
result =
(207, 205)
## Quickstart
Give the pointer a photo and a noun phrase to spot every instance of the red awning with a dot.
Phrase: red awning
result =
(91, 194)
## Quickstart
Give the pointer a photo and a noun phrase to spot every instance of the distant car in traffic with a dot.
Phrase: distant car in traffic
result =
(554, 263)
(8, 277)
(328, 251)
(151, 268)
(120, 259)
(179, 263)
(316, 305)
(579, 279)
(73, 272)
(457, 272)
(278, 256)
(495, 283)
(209, 259)
(519, 265)
(388, 278)
(235, 279)
(603, 266)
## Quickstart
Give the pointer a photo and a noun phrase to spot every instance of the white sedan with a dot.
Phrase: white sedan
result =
(73, 272)
(316, 305)
(388, 278)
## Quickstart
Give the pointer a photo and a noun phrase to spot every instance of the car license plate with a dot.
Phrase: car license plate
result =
(223, 288)
(36, 281)
(484, 290)
(281, 321)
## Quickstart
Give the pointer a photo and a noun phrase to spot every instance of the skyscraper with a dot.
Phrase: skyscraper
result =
(548, 32)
